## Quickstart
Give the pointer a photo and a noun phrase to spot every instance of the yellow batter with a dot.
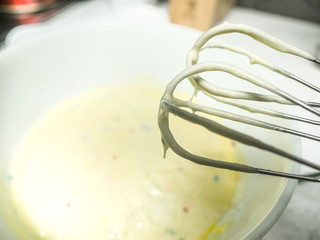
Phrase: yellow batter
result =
(92, 169)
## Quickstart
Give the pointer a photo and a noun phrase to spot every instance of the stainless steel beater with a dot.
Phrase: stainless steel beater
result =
(188, 109)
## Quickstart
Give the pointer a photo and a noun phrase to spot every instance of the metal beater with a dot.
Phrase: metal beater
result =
(189, 110)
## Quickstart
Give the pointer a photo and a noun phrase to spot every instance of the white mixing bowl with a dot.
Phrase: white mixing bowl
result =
(36, 75)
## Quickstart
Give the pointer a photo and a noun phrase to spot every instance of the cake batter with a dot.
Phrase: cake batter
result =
(92, 168)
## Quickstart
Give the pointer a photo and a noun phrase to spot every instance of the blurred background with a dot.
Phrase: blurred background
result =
(21, 12)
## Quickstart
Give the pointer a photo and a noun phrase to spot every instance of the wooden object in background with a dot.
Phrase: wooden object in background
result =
(199, 14)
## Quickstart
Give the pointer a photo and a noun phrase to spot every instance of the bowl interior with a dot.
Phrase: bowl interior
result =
(37, 75)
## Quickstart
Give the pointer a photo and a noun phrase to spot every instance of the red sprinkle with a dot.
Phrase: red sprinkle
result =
(68, 205)
(130, 131)
(100, 152)
(233, 144)
(185, 209)
(167, 186)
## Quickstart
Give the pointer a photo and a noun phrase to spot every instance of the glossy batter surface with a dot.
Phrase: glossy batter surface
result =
(92, 168)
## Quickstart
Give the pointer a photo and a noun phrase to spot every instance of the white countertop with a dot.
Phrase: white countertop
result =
(301, 219)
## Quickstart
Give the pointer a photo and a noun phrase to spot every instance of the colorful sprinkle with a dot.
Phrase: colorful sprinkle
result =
(216, 178)
(233, 144)
(68, 205)
(10, 177)
(100, 152)
(167, 186)
(170, 231)
(185, 209)
(114, 157)
(145, 128)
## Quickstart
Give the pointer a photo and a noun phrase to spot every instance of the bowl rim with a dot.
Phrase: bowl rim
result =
(285, 195)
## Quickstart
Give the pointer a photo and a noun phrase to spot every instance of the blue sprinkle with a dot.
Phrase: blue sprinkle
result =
(10, 177)
(145, 128)
(216, 178)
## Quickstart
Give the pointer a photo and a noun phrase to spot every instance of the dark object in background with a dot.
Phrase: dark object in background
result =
(11, 20)
(24, 6)
(303, 9)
